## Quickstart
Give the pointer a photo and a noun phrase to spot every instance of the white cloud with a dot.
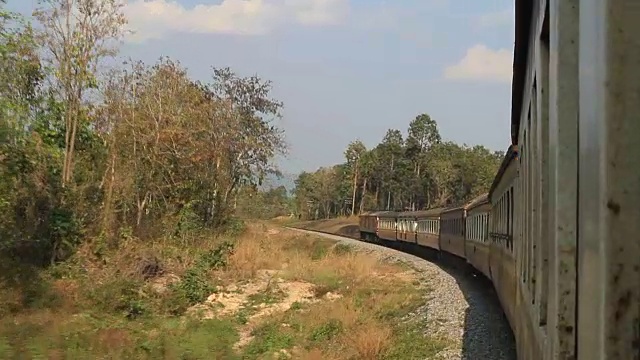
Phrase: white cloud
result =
(482, 63)
(499, 18)
(153, 19)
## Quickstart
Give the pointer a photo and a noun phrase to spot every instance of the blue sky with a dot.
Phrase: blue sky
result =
(346, 69)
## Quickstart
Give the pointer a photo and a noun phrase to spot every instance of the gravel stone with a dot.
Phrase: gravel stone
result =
(461, 307)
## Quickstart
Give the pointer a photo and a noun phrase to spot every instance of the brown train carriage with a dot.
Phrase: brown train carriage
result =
(406, 226)
(452, 231)
(502, 263)
(477, 245)
(368, 225)
(428, 228)
(387, 225)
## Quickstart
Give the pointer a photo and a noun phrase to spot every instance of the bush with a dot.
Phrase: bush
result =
(196, 285)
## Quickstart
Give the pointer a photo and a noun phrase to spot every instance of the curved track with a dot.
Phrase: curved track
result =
(463, 303)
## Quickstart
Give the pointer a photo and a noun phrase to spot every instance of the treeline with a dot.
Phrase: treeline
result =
(415, 172)
(266, 204)
(143, 149)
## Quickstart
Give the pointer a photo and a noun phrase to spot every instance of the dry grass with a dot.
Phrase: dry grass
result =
(133, 302)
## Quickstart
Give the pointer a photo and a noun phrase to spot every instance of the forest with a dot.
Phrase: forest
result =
(89, 152)
(413, 172)
(135, 221)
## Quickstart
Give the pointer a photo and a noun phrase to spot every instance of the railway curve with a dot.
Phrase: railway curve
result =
(462, 306)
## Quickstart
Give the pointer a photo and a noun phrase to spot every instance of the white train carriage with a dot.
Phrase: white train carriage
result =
(502, 262)
(428, 231)
(576, 122)
(477, 234)
(387, 225)
(452, 231)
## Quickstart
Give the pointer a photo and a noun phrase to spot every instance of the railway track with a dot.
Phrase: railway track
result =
(462, 306)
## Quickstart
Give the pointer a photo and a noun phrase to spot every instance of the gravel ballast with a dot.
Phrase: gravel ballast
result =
(463, 307)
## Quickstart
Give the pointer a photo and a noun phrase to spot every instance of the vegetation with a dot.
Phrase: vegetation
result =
(267, 294)
(87, 155)
(417, 172)
(254, 203)
(120, 198)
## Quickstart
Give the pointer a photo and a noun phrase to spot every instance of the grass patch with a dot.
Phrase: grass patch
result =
(277, 293)
(411, 343)
(87, 337)
(269, 338)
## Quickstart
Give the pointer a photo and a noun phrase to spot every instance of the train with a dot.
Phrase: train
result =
(558, 232)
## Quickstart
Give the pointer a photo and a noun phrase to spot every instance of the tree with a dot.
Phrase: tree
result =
(367, 163)
(422, 135)
(78, 35)
(391, 151)
(416, 173)
(354, 152)
(156, 155)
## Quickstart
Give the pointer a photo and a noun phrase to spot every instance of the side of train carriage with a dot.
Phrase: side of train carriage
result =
(558, 232)
(481, 233)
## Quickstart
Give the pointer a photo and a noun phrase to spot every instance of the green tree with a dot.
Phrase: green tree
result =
(422, 136)
(392, 165)
(354, 153)
(416, 173)
(77, 35)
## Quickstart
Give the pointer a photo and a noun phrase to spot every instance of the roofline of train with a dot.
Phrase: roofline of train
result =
(524, 12)
(475, 202)
(512, 154)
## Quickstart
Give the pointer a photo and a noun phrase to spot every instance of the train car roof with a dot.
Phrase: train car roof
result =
(512, 153)
(384, 213)
(429, 212)
(366, 213)
(448, 210)
(477, 201)
(524, 13)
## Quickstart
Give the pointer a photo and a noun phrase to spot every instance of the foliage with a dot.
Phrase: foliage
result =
(195, 286)
(263, 204)
(418, 172)
(85, 154)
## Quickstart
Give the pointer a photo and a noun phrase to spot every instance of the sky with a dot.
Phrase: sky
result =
(345, 69)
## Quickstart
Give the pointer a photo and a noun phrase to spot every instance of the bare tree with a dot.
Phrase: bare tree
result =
(77, 35)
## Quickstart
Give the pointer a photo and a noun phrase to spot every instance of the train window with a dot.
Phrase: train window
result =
(468, 229)
(473, 228)
(485, 234)
(509, 224)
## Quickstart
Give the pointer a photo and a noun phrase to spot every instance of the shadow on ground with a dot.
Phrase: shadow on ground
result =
(487, 334)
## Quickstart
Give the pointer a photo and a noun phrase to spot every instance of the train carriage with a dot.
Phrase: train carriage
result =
(502, 265)
(387, 225)
(428, 228)
(562, 213)
(369, 224)
(477, 233)
(452, 231)
(407, 226)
